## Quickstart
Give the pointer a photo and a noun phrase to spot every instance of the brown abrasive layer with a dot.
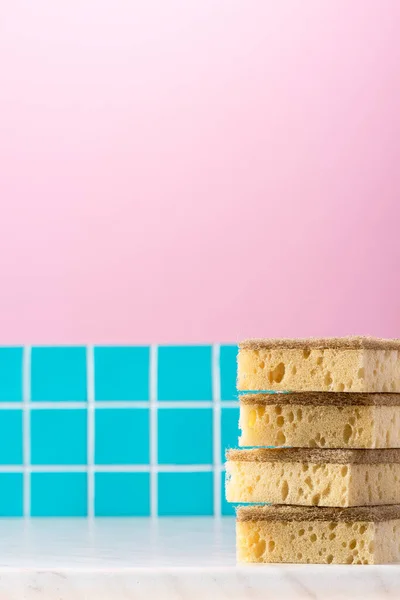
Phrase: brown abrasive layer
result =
(316, 455)
(348, 343)
(316, 513)
(322, 398)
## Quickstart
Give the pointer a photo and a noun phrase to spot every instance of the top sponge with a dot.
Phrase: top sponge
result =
(349, 364)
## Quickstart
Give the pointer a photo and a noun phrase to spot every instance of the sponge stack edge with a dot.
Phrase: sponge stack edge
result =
(332, 469)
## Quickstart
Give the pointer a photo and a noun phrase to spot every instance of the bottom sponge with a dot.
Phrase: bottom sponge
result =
(294, 534)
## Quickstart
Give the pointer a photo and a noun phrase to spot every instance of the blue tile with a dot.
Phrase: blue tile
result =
(58, 373)
(122, 372)
(11, 374)
(227, 508)
(122, 494)
(185, 494)
(11, 437)
(122, 436)
(184, 373)
(229, 429)
(185, 436)
(59, 437)
(11, 497)
(59, 495)
(227, 364)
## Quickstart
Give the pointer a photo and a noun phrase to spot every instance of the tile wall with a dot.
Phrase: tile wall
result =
(116, 431)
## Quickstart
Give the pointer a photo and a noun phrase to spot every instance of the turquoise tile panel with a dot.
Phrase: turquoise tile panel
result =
(59, 495)
(185, 436)
(58, 374)
(229, 429)
(11, 374)
(59, 437)
(184, 373)
(11, 437)
(11, 496)
(122, 494)
(122, 436)
(185, 494)
(122, 372)
(227, 363)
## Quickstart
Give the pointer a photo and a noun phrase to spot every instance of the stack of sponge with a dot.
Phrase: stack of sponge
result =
(319, 467)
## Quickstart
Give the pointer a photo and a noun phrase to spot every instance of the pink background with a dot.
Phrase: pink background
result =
(198, 170)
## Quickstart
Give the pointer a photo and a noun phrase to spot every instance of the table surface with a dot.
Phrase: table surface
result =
(165, 558)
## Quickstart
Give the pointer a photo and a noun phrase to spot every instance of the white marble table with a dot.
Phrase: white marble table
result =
(169, 558)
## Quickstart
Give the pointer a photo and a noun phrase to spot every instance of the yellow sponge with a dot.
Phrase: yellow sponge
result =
(352, 364)
(320, 419)
(313, 477)
(292, 534)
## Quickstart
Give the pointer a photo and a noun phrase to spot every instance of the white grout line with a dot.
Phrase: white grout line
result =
(153, 431)
(106, 468)
(183, 468)
(117, 404)
(26, 430)
(90, 430)
(216, 388)
(190, 404)
(61, 405)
